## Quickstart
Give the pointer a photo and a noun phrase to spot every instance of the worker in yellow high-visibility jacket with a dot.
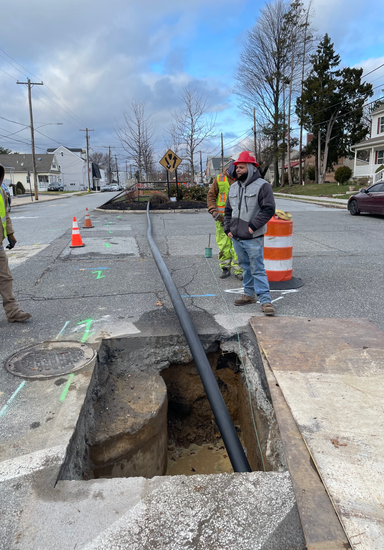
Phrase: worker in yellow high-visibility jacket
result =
(11, 307)
(216, 199)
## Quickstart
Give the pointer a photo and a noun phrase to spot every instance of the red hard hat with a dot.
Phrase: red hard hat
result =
(246, 156)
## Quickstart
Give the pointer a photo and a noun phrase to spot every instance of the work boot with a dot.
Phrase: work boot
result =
(225, 273)
(239, 276)
(243, 300)
(19, 317)
(268, 309)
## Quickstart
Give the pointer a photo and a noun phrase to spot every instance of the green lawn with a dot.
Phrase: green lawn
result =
(316, 190)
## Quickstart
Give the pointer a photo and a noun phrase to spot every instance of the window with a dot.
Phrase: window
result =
(62, 154)
(378, 188)
(380, 125)
(43, 179)
(380, 157)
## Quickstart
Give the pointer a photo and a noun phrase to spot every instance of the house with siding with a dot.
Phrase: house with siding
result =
(369, 154)
(17, 166)
(73, 167)
(214, 166)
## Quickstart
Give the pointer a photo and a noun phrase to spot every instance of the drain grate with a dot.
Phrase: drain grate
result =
(50, 359)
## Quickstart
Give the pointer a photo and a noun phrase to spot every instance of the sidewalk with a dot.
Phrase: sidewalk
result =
(315, 200)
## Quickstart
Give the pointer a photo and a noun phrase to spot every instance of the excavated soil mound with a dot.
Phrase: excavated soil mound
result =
(129, 205)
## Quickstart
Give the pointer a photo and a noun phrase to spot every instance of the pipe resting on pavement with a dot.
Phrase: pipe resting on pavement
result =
(223, 420)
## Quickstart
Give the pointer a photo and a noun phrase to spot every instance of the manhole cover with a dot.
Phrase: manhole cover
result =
(50, 359)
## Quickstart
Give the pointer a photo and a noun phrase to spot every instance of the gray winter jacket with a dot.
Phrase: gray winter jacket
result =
(249, 205)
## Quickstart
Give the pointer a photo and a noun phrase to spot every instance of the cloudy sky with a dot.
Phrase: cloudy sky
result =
(94, 57)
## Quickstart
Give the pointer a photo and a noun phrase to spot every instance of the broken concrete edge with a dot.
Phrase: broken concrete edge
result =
(181, 211)
(320, 521)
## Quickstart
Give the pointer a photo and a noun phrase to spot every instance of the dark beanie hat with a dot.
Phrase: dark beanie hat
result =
(231, 170)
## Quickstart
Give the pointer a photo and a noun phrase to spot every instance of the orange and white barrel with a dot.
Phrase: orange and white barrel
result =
(278, 243)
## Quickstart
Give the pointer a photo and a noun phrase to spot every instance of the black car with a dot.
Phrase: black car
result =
(369, 200)
(56, 186)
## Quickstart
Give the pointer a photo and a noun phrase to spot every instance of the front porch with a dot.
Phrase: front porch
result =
(369, 156)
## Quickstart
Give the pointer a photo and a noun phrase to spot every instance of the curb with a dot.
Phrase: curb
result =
(181, 211)
(314, 201)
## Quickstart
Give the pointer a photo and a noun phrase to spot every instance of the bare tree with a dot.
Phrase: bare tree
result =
(269, 73)
(259, 79)
(136, 136)
(191, 126)
(99, 158)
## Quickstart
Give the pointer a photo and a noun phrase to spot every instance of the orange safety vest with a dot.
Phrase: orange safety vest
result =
(221, 198)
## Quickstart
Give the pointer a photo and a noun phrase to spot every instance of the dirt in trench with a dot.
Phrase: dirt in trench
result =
(190, 417)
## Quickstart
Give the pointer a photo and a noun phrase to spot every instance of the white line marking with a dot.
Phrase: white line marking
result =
(4, 409)
(62, 330)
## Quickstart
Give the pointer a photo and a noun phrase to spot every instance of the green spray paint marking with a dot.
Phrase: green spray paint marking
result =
(107, 245)
(86, 335)
(110, 231)
(99, 275)
(66, 387)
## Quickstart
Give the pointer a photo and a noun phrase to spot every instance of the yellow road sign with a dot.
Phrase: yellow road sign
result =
(170, 161)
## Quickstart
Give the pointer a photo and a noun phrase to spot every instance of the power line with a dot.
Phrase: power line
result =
(373, 70)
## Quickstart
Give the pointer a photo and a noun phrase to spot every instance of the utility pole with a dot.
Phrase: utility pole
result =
(254, 132)
(201, 168)
(117, 171)
(30, 84)
(87, 139)
(222, 153)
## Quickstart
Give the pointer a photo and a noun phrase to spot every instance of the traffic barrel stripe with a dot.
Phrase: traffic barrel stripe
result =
(278, 253)
(278, 242)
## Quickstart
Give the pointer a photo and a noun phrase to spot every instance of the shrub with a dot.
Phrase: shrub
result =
(343, 174)
(172, 191)
(20, 189)
(196, 193)
(311, 172)
(362, 181)
(158, 198)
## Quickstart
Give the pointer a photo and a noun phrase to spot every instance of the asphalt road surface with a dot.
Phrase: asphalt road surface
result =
(41, 223)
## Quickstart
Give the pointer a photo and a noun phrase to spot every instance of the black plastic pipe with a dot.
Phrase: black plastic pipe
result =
(223, 419)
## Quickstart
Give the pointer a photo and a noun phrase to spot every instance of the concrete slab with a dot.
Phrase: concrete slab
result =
(110, 245)
(18, 255)
(331, 374)
(196, 512)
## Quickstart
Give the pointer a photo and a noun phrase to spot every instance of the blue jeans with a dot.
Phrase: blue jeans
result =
(251, 259)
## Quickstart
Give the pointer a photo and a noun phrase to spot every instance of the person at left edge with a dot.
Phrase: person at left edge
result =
(216, 198)
(12, 310)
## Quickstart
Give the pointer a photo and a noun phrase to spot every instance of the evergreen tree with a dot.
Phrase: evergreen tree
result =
(331, 107)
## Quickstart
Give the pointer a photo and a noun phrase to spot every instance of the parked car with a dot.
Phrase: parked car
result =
(56, 186)
(369, 200)
(111, 187)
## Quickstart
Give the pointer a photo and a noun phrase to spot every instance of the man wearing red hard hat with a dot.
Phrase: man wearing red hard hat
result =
(250, 205)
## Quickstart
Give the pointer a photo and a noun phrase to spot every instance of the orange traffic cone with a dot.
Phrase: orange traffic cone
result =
(76, 237)
(87, 221)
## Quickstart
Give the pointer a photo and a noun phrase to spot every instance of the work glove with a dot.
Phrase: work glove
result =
(12, 241)
(217, 216)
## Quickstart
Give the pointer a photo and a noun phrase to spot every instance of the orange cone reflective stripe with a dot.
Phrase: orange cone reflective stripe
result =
(87, 221)
(76, 237)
